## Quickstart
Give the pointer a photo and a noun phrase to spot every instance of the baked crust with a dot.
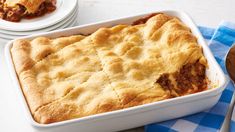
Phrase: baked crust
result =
(30, 5)
(111, 69)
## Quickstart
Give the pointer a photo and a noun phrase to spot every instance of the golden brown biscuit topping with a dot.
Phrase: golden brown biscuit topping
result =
(113, 68)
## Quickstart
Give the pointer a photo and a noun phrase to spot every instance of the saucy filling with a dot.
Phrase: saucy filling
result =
(191, 78)
(15, 14)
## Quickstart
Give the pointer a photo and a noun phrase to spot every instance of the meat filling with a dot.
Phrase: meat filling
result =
(191, 78)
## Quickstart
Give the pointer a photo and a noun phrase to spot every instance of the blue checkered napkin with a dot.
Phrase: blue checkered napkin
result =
(212, 119)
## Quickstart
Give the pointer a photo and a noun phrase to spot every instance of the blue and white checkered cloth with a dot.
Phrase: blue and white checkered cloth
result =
(212, 119)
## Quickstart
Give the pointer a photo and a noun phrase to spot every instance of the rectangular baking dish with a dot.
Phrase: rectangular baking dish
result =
(139, 115)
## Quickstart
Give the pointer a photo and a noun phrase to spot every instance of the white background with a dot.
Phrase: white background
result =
(204, 12)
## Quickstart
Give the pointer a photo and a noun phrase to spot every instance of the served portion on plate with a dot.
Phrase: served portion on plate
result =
(64, 16)
(114, 68)
(15, 10)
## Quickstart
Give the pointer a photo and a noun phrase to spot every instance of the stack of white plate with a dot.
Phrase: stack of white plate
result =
(64, 16)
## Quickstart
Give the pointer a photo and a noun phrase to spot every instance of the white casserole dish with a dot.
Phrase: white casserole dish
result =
(139, 115)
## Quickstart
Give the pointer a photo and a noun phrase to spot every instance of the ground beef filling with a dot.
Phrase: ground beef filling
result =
(15, 14)
(191, 78)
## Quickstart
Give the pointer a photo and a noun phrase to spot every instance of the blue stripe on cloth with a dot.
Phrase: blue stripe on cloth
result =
(195, 118)
(211, 119)
(218, 110)
(221, 63)
(205, 129)
(218, 49)
(226, 96)
(227, 30)
(223, 38)
(153, 128)
(207, 32)
(168, 123)
(230, 86)
(218, 60)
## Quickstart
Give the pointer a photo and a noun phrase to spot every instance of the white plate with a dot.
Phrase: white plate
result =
(64, 9)
(138, 115)
(53, 27)
(10, 37)
(72, 22)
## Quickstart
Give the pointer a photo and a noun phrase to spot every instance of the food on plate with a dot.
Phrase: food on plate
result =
(114, 68)
(15, 10)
